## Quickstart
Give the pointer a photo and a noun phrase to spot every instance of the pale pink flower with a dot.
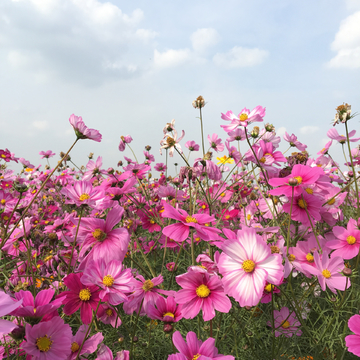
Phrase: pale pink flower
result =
(82, 131)
(285, 323)
(243, 119)
(292, 139)
(7, 305)
(353, 341)
(333, 134)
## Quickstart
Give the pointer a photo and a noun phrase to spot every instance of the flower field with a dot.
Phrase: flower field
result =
(245, 253)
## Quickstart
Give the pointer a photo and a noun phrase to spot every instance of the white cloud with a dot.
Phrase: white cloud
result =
(40, 124)
(202, 39)
(240, 57)
(347, 43)
(171, 58)
(281, 131)
(308, 130)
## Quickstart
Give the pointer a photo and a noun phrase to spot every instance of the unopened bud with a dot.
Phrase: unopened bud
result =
(168, 328)
(351, 174)
(199, 102)
(91, 155)
(292, 182)
(347, 271)
(147, 147)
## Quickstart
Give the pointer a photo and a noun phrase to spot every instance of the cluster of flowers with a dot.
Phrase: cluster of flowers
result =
(65, 236)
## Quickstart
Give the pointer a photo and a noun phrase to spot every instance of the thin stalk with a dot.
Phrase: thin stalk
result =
(74, 244)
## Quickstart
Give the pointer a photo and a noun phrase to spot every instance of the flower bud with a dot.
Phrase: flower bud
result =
(292, 182)
(168, 328)
(199, 102)
(147, 147)
(347, 271)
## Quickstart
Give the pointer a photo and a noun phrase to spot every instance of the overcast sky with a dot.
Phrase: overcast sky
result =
(129, 67)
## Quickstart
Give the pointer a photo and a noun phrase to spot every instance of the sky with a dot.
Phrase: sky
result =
(130, 67)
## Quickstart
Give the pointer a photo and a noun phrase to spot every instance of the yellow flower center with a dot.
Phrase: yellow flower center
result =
(196, 356)
(285, 324)
(291, 257)
(309, 191)
(2, 202)
(351, 240)
(275, 249)
(248, 217)
(148, 285)
(99, 235)
(203, 291)
(170, 141)
(108, 280)
(299, 179)
(326, 273)
(262, 160)
(43, 343)
(109, 312)
(310, 257)
(169, 314)
(243, 117)
(269, 287)
(248, 266)
(84, 294)
(302, 203)
(190, 219)
(74, 347)
(84, 197)
(331, 201)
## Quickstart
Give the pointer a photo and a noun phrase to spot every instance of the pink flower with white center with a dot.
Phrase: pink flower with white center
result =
(215, 143)
(192, 145)
(246, 264)
(347, 244)
(82, 131)
(123, 141)
(166, 310)
(100, 236)
(243, 119)
(285, 323)
(196, 349)
(180, 231)
(170, 143)
(333, 134)
(115, 282)
(82, 193)
(46, 154)
(7, 305)
(292, 139)
(50, 340)
(328, 272)
(353, 341)
(200, 291)
(90, 345)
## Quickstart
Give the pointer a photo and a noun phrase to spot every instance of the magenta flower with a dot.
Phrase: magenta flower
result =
(85, 298)
(347, 244)
(328, 272)
(123, 141)
(108, 315)
(292, 139)
(192, 145)
(180, 231)
(160, 167)
(82, 131)
(50, 340)
(114, 281)
(353, 341)
(243, 119)
(196, 349)
(215, 143)
(104, 241)
(285, 323)
(46, 154)
(166, 310)
(90, 345)
(7, 305)
(200, 291)
(104, 353)
(93, 169)
(82, 193)
(246, 264)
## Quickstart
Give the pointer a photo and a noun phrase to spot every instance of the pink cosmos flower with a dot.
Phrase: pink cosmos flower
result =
(285, 323)
(90, 345)
(50, 340)
(93, 169)
(196, 349)
(100, 236)
(46, 154)
(353, 341)
(169, 142)
(108, 315)
(292, 139)
(243, 119)
(82, 131)
(236, 135)
(347, 244)
(82, 193)
(215, 143)
(111, 278)
(328, 272)
(333, 134)
(192, 145)
(160, 167)
(246, 264)
(123, 141)
(180, 231)
(166, 310)
(85, 298)
(325, 149)
(201, 291)
(7, 305)
(105, 353)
